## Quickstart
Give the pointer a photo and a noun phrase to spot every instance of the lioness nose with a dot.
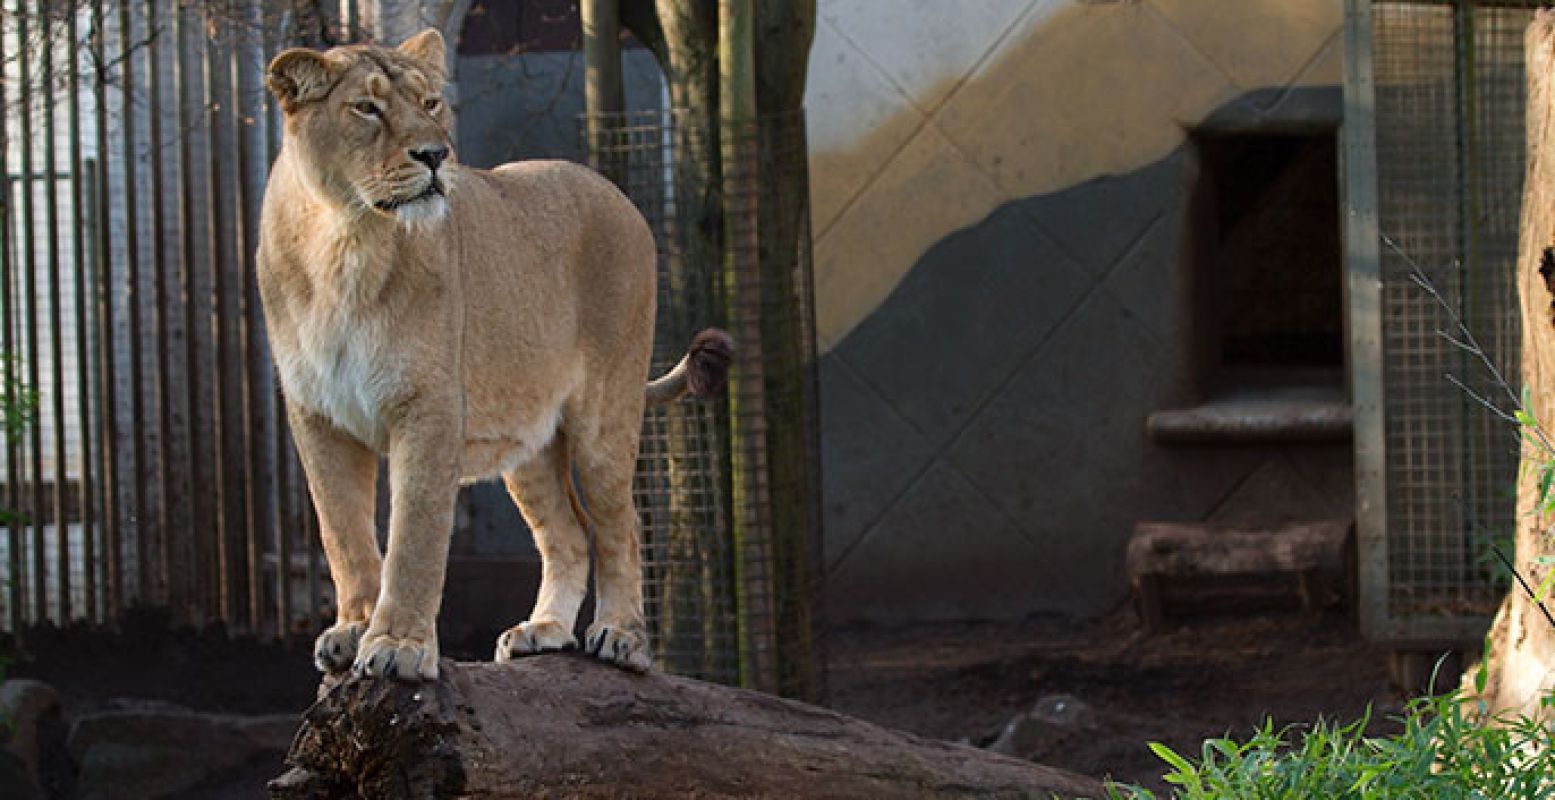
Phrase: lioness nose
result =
(430, 156)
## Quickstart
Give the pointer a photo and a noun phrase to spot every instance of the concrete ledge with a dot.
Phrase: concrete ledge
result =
(1239, 421)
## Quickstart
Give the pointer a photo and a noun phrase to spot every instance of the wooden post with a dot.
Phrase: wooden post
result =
(752, 535)
(603, 98)
(787, 329)
(693, 551)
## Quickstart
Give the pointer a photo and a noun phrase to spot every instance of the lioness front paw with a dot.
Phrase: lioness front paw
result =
(625, 645)
(401, 657)
(335, 649)
(533, 637)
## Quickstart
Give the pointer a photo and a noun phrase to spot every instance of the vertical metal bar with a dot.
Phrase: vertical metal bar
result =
(249, 109)
(94, 551)
(85, 496)
(1364, 289)
(195, 549)
(285, 522)
(108, 419)
(61, 519)
(216, 220)
(13, 479)
(168, 590)
(133, 313)
(1461, 468)
(39, 578)
(283, 497)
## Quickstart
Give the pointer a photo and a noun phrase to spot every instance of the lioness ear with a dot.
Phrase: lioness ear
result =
(300, 75)
(426, 47)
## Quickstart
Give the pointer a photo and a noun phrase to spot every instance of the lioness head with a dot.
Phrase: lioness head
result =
(369, 125)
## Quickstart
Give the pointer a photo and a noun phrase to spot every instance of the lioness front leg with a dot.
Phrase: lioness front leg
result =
(425, 442)
(342, 476)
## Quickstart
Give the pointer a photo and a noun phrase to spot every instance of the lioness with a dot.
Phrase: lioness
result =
(467, 323)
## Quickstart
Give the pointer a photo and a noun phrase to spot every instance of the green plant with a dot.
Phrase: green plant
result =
(1449, 748)
(1446, 751)
(18, 402)
(18, 409)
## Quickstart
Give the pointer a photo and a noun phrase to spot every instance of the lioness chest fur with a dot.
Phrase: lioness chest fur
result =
(466, 324)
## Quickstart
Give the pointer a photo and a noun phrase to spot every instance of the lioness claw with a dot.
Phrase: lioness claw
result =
(403, 659)
(534, 637)
(335, 649)
(625, 646)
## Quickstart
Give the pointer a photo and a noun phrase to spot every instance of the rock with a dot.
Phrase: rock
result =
(16, 780)
(27, 709)
(1050, 719)
(154, 750)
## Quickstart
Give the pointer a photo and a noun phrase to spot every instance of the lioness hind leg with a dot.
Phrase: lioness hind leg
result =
(342, 479)
(540, 489)
(605, 466)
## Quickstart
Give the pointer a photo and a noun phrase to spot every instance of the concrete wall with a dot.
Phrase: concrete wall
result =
(999, 204)
(528, 106)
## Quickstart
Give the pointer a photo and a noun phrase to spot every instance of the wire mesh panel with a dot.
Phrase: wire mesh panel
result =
(727, 490)
(1448, 134)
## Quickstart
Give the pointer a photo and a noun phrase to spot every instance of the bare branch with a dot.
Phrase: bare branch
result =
(1532, 596)
(1470, 344)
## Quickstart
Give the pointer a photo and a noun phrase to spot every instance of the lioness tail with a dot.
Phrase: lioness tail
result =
(700, 373)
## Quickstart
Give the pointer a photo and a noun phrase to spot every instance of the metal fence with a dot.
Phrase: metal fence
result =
(158, 471)
(1435, 144)
(729, 491)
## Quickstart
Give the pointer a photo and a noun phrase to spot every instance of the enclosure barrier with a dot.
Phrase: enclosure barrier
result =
(729, 491)
(157, 471)
(1434, 164)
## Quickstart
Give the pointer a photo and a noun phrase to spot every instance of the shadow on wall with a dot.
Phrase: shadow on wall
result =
(1072, 91)
(984, 443)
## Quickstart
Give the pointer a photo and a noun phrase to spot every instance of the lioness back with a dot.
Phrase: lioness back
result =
(558, 273)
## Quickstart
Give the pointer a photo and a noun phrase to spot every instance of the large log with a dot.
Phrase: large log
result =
(570, 726)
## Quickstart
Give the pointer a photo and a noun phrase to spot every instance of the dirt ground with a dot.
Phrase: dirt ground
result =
(965, 681)
(958, 681)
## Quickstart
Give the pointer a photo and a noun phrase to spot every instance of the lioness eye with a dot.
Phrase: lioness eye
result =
(432, 103)
(366, 108)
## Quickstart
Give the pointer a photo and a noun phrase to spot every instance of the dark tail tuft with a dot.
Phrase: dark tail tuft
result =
(710, 354)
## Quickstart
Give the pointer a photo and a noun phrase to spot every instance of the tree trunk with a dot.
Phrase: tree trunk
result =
(736, 72)
(692, 575)
(1521, 671)
(784, 32)
(570, 726)
(604, 99)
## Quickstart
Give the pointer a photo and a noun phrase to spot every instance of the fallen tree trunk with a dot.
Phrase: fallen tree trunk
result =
(569, 726)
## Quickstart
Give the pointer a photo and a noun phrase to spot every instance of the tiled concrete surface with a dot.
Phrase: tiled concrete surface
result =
(984, 444)
(1037, 95)
(998, 193)
(955, 333)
